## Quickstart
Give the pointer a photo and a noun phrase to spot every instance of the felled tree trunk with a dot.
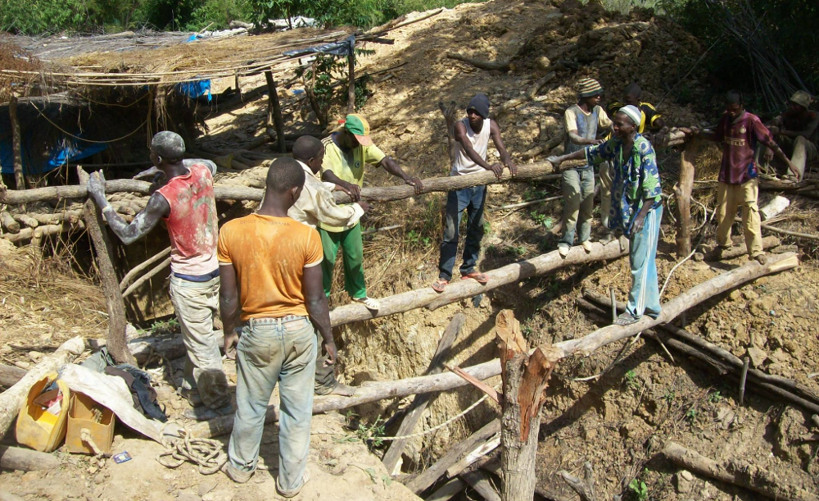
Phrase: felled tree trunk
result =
(683, 192)
(525, 378)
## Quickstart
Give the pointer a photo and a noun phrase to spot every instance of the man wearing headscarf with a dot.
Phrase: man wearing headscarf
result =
(472, 135)
(637, 209)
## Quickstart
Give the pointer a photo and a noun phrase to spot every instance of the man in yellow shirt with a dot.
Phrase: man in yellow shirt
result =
(345, 154)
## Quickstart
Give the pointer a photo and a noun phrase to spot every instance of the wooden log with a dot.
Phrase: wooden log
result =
(448, 491)
(796, 234)
(586, 345)
(16, 145)
(484, 65)
(17, 458)
(274, 111)
(117, 343)
(525, 378)
(422, 481)
(449, 118)
(472, 460)
(480, 482)
(683, 192)
(768, 242)
(13, 399)
(584, 488)
(26, 220)
(419, 403)
(147, 276)
(738, 472)
(9, 223)
(222, 192)
(136, 270)
(463, 289)
(38, 232)
(351, 78)
(9, 375)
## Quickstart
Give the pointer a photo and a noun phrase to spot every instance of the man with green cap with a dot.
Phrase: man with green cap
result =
(345, 154)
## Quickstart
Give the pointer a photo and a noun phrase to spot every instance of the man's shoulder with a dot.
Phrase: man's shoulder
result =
(643, 145)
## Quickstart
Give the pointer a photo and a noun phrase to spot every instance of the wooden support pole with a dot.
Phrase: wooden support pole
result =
(13, 399)
(16, 145)
(739, 472)
(136, 270)
(683, 192)
(480, 482)
(420, 402)
(274, 109)
(525, 378)
(147, 276)
(223, 192)
(17, 458)
(117, 343)
(351, 78)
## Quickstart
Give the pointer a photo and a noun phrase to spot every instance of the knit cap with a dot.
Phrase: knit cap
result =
(633, 113)
(479, 103)
(588, 87)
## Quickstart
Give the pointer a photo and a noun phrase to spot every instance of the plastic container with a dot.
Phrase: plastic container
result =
(42, 419)
(86, 414)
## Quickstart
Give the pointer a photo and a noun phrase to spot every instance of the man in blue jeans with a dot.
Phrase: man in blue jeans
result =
(472, 138)
(272, 284)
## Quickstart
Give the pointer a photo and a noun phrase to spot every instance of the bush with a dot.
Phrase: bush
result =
(42, 16)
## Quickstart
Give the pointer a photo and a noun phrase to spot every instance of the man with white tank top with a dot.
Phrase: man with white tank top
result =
(472, 136)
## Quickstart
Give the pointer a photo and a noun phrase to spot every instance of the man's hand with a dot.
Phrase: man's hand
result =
(555, 160)
(497, 170)
(593, 141)
(364, 205)
(352, 189)
(231, 341)
(774, 129)
(794, 170)
(513, 167)
(149, 173)
(639, 221)
(330, 349)
(768, 155)
(415, 182)
(96, 187)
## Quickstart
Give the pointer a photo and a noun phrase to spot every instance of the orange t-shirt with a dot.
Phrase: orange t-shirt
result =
(269, 255)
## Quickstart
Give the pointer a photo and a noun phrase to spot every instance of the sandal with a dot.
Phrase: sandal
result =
(477, 276)
(626, 318)
(439, 285)
(368, 302)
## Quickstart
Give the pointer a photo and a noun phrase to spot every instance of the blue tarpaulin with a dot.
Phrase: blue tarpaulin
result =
(67, 151)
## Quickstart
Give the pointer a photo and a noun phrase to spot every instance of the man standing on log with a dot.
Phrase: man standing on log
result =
(582, 121)
(650, 120)
(185, 201)
(315, 206)
(795, 129)
(637, 209)
(272, 284)
(472, 138)
(739, 132)
(346, 153)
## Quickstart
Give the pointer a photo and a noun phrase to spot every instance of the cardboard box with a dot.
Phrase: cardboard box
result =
(89, 415)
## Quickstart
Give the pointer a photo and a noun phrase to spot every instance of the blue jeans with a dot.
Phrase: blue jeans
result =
(471, 199)
(644, 296)
(578, 203)
(274, 350)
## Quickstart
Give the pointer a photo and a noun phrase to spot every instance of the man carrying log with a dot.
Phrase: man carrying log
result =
(346, 152)
(637, 209)
(472, 139)
(650, 120)
(314, 206)
(185, 201)
(272, 284)
(795, 129)
(581, 121)
(739, 132)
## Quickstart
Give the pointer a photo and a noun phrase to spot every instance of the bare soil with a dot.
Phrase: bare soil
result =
(618, 420)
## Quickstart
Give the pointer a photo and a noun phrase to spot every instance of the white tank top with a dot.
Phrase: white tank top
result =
(480, 141)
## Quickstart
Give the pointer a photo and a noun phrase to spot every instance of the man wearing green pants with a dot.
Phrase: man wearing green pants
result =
(346, 153)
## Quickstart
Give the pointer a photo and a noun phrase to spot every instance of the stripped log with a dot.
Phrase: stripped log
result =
(9, 375)
(768, 242)
(375, 391)
(480, 482)
(420, 402)
(39, 232)
(463, 289)
(17, 458)
(739, 472)
(683, 193)
(223, 192)
(136, 270)
(13, 399)
(447, 491)
(147, 276)
(525, 378)
(9, 223)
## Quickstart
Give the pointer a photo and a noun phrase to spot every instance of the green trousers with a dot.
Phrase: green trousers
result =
(352, 252)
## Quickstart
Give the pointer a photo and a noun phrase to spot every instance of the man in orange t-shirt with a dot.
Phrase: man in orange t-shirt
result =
(272, 284)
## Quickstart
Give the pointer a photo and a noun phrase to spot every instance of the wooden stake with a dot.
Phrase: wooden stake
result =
(19, 178)
(274, 109)
(351, 78)
(117, 343)
(683, 192)
(420, 402)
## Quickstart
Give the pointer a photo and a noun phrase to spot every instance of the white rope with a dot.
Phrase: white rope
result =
(434, 428)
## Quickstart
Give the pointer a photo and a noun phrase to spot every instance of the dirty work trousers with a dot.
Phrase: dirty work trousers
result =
(644, 296)
(270, 351)
(731, 196)
(352, 254)
(473, 200)
(325, 381)
(605, 194)
(195, 304)
(578, 203)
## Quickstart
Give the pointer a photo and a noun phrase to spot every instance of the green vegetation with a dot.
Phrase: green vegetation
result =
(639, 489)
